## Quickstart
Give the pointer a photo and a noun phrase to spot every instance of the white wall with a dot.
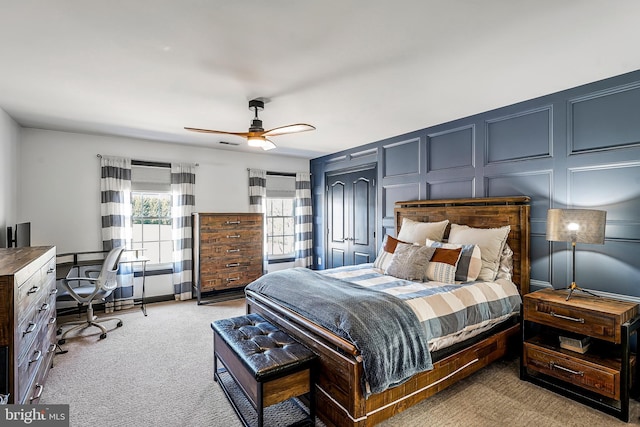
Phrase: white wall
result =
(9, 137)
(59, 184)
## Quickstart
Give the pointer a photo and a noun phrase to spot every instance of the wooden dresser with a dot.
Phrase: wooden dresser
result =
(27, 321)
(227, 251)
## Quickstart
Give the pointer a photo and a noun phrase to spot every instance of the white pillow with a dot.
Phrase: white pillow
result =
(418, 232)
(491, 242)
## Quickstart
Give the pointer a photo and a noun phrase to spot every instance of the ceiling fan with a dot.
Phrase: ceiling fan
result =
(257, 136)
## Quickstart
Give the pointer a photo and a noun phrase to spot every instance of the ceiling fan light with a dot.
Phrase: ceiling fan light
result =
(256, 141)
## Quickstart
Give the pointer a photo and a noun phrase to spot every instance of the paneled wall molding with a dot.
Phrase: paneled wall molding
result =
(461, 139)
(575, 148)
(364, 153)
(402, 158)
(604, 120)
(503, 142)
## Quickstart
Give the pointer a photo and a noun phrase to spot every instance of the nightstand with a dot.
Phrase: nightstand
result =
(602, 376)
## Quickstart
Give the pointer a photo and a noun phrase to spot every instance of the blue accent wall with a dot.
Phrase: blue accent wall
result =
(579, 148)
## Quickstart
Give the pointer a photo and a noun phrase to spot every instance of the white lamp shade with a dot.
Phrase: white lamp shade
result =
(576, 225)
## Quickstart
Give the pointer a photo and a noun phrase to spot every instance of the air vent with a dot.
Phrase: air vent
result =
(229, 143)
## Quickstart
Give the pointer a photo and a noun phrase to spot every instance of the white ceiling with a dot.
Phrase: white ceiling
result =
(359, 70)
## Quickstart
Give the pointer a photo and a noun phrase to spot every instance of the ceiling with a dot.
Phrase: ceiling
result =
(359, 70)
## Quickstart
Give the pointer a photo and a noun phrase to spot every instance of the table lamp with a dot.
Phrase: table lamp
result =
(576, 226)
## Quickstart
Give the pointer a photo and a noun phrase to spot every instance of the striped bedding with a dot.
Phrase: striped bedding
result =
(449, 313)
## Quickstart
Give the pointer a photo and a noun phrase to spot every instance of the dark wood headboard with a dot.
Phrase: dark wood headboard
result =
(482, 212)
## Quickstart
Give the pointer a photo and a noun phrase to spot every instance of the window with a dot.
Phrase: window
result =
(280, 234)
(151, 218)
(280, 228)
(151, 212)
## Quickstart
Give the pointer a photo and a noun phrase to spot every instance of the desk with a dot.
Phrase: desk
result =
(132, 259)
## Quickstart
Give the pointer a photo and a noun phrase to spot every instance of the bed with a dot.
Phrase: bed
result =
(340, 398)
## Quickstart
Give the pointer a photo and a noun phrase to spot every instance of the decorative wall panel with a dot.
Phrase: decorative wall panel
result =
(440, 146)
(606, 119)
(613, 188)
(519, 136)
(535, 184)
(450, 189)
(402, 158)
(396, 193)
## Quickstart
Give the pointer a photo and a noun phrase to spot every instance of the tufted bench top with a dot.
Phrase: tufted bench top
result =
(263, 348)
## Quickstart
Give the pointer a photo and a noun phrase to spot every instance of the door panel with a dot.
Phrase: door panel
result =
(351, 208)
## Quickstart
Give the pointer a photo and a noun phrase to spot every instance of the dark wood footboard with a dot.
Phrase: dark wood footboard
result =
(339, 397)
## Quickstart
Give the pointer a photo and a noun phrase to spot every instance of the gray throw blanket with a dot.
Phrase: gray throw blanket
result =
(386, 331)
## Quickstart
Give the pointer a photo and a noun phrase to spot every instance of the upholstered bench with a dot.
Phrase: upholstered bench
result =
(266, 363)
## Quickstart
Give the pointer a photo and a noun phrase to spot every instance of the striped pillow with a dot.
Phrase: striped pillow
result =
(442, 266)
(470, 262)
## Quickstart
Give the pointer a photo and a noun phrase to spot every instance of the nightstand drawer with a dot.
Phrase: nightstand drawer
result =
(565, 317)
(597, 378)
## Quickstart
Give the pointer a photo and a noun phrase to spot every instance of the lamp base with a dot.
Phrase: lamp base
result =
(573, 287)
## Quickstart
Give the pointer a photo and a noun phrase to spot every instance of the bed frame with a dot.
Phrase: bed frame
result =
(339, 398)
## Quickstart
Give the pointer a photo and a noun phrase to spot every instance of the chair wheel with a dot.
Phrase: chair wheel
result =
(119, 324)
(60, 342)
(103, 336)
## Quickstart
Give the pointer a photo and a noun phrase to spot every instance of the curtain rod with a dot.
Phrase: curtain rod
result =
(293, 174)
(148, 163)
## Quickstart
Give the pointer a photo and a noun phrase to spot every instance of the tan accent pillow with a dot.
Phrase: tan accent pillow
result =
(491, 242)
(418, 232)
(442, 266)
(386, 252)
(409, 262)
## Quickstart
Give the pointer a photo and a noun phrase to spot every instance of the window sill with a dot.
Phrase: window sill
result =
(281, 260)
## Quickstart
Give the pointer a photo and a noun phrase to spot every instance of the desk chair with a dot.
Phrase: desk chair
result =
(89, 289)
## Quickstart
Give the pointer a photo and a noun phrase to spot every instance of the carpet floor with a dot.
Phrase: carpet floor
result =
(157, 370)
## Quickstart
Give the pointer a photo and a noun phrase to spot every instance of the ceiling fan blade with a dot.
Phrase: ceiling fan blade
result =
(243, 134)
(299, 127)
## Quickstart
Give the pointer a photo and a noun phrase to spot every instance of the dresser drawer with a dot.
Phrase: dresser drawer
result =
(599, 378)
(230, 221)
(35, 286)
(228, 279)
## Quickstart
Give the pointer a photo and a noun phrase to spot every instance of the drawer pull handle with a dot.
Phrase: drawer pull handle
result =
(233, 236)
(30, 328)
(35, 359)
(232, 264)
(232, 222)
(553, 366)
(53, 292)
(40, 387)
(52, 321)
(230, 251)
(33, 290)
(51, 270)
(44, 307)
(52, 347)
(233, 279)
(573, 319)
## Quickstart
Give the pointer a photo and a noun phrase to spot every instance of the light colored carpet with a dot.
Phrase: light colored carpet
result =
(157, 370)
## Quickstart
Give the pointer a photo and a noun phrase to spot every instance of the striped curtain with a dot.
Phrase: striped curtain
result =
(183, 185)
(257, 202)
(303, 221)
(257, 190)
(115, 208)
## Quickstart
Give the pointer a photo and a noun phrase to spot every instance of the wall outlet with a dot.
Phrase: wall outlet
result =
(319, 261)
